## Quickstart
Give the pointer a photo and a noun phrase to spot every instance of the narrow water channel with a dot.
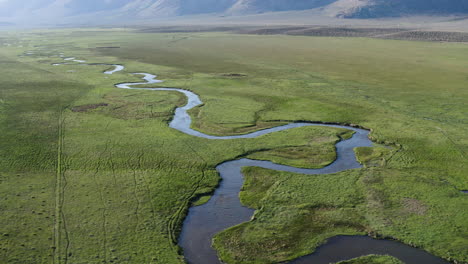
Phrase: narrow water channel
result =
(224, 209)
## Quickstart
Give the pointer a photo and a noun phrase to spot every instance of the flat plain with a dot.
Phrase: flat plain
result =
(93, 174)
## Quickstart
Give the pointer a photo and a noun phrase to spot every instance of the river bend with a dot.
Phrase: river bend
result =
(224, 209)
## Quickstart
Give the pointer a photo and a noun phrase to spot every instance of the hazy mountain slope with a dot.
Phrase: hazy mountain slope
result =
(85, 6)
(9, 8)
(151, 7)
(166, 8)
(94, 11)
(259, 6)
(119, 8)
(205, 6)
(390, 8)
(56, 8)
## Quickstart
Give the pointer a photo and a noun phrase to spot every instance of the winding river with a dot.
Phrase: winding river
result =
(224, 209)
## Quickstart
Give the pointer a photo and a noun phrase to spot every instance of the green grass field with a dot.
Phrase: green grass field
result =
(372, 259)
(93, 174)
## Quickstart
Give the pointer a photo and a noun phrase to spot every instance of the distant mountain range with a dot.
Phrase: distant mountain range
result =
(393, 8)
(53, 10)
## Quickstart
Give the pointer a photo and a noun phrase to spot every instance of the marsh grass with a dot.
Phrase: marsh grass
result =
(372, 259)
(126, 179)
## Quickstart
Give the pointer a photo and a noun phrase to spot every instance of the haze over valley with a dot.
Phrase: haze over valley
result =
(99, 12)
(233, 131)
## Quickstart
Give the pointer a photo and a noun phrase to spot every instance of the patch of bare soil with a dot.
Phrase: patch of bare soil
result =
(322, 31)
(234, 75)
(414, 206)
(85, 108)
(385, 33)
(429, 36)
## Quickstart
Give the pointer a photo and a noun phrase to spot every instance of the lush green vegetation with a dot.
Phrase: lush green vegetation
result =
(317, 153)
(295, 213)
(375, 156)
(372, 259)
(111, 181)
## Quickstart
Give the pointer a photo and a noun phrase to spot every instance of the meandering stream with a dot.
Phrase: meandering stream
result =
(224, 209)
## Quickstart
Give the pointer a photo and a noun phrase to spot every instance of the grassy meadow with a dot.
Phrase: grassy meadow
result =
(372, 259)
(93, 174)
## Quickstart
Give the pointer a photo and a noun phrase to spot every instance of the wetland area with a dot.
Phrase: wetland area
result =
(251, 159)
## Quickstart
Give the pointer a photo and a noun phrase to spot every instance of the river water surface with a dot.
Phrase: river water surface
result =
(224, 209)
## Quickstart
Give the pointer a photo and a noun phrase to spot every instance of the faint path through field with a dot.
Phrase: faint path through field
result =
(224, 209)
